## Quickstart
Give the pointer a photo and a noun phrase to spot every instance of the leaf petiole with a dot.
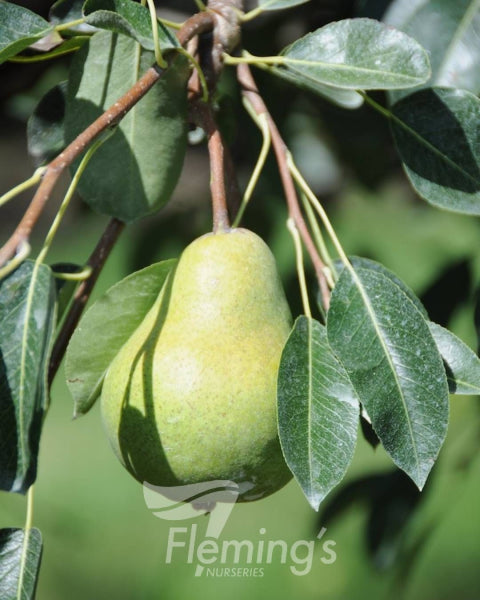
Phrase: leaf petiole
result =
(262, 123)
(17, 260)
(22, 187)
(161, 62)
(292, 228)
(319, 209)
(68, 196)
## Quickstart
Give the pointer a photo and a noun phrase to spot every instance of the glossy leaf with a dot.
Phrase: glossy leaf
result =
(105, 327)
(45, 127)
(20, 555)
(341, 97)
(359, 262)
(449, 32)
(317, 411)
(438, 139)
(357, 54)
(461, 363)
(279, 4)
(127, 17)
(134, 172)
(27, 320)
(19, 28)
(385, 345)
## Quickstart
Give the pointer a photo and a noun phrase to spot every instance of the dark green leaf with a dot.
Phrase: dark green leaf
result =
(45, 128)
(357, 54)
(135, 171)
(65, 11)
(105, 327)
(279, 4)
(461, 363)
(384, 343)
(438, 139)
(317, 411)
(359, 262)
(130, 18)
(20, 555)
(27, 319)
(449, 32)
(19, 27)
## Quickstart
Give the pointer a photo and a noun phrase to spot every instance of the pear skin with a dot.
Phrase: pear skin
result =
(191, 396)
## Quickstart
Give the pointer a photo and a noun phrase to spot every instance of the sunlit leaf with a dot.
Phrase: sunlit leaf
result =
(105, 327)
(20, 555)
(386, 347)
(318, 411)
(461, 363)
(449, 32)
(19, 28)
(357, 54)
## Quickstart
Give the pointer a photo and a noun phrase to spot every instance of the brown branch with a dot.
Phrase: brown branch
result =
(251, 93)
(96, 262)
(197, 24)
(204, 114)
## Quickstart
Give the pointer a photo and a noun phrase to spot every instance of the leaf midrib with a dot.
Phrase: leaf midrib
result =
(385, 349)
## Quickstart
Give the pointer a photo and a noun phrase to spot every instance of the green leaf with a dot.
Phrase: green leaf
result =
(357, 54)
(449, 32)
(129, 18)
(46, 127)
(461, 363)
(386, 347)
(279, 4)
(134, 172)
(105, 327)
(437, 137)
(345, 98)
(19, 28)
(65, 11)
(27, 320)
(20, 555)
(318, 411)
(359, 262)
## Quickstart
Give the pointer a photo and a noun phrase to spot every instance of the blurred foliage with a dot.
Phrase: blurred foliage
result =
(100, 539)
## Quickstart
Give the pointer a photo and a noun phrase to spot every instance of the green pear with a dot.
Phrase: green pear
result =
(191, 396)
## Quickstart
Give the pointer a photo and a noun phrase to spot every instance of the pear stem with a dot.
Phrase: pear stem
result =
(251, 93)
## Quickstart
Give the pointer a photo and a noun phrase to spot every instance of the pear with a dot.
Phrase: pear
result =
(191, 396)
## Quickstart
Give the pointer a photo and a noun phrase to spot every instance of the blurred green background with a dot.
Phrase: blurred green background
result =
(101, 540)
